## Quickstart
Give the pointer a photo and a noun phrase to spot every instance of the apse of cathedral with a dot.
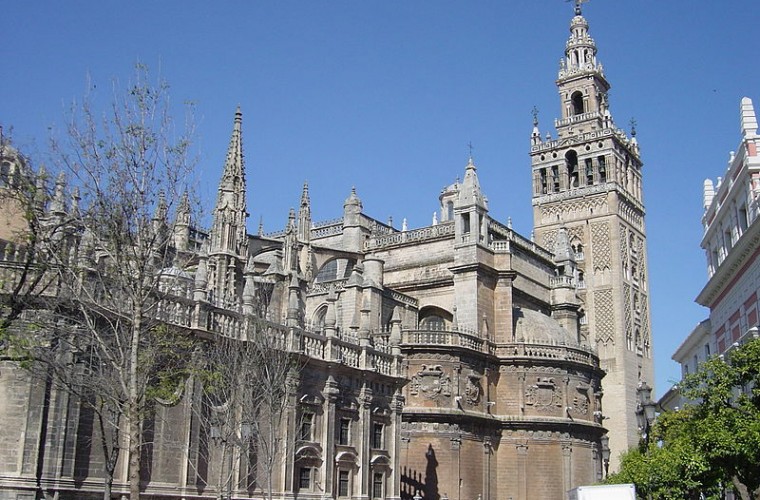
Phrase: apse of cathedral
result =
(460, 360)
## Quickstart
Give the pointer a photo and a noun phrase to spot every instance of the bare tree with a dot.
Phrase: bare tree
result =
(23, 276)
(248, 386)
(106, 343)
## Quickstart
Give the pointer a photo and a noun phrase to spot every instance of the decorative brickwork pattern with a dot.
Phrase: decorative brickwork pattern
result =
(600, 246)
(549, 239)
(645, 334)
(627, 308)
(605, 316)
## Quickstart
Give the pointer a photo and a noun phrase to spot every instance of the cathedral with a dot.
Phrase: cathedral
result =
(456, 361)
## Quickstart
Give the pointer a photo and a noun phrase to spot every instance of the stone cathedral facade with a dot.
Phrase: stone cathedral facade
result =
(460, 360)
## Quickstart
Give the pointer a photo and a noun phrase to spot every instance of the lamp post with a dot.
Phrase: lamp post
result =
(645, 410)
(217, 437)
(605, 440)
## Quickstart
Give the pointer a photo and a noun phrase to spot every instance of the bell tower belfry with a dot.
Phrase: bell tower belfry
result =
(587, 183)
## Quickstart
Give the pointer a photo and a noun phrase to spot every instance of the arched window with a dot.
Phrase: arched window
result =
(450, 210)
(434, 318)
(577, 100)
(433, 322)
(318, 322)
(335, 269)
(571, 162)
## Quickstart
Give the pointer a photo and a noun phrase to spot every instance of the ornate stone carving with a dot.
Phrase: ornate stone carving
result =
(544, 395)
(581, 401)
(472, 390)
(431, 382)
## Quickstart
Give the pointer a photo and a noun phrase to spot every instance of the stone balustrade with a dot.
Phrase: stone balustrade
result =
(416, 235)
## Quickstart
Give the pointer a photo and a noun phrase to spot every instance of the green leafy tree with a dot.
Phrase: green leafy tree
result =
(725, 424)
(712, 443)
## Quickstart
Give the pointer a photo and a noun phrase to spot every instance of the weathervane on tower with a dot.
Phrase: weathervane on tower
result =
(578, 4)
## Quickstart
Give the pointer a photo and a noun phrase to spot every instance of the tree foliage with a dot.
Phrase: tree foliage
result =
(710, 444)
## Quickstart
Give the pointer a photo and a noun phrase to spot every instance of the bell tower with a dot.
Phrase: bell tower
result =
(587, 184)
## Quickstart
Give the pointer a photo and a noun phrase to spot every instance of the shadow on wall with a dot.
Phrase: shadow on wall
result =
(413, 483)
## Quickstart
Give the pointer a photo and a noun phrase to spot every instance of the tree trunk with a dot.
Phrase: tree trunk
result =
(133, 413)
(134, 452)
(741, 488)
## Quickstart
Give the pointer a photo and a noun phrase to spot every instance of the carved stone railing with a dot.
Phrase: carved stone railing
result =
(561, 281)
(313, 345)
(327, 287)
(514, 238)
(576, 118)
(223, 322)
(446, 338)
(577, 353)
(443, 229)
(328, 228)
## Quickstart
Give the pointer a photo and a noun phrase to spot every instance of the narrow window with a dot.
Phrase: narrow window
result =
(377, 485)
(307, 421)
(343, 483)
(602, 169)
(577, 99)
(555, 178)
(571, 163)
(304, 478)
(450, 210)
(542, 176)
(466, 223)
(377, 436)
(589, 172)
(742, 219)
(343, 434)
(581, 280)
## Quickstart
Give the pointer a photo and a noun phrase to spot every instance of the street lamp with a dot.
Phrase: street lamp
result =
(215, 433)
(605, 440)
(645, 410)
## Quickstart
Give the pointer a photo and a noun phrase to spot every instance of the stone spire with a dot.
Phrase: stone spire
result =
(580, 50)
(228, 232)
(304, 215)
(470, 193)
(58, 203)
(182, 224)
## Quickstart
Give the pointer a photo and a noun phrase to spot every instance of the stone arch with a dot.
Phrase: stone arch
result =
(434, 318)
(577, 104)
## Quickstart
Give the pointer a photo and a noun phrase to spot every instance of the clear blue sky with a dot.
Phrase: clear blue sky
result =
(386, 95)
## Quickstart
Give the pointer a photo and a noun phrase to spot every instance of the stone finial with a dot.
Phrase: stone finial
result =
(58, 204)
(708, 194)
(748, 118)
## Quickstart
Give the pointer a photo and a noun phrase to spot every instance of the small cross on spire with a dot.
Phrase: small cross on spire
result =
(633, 127)
(469, 145)
(534, 112)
